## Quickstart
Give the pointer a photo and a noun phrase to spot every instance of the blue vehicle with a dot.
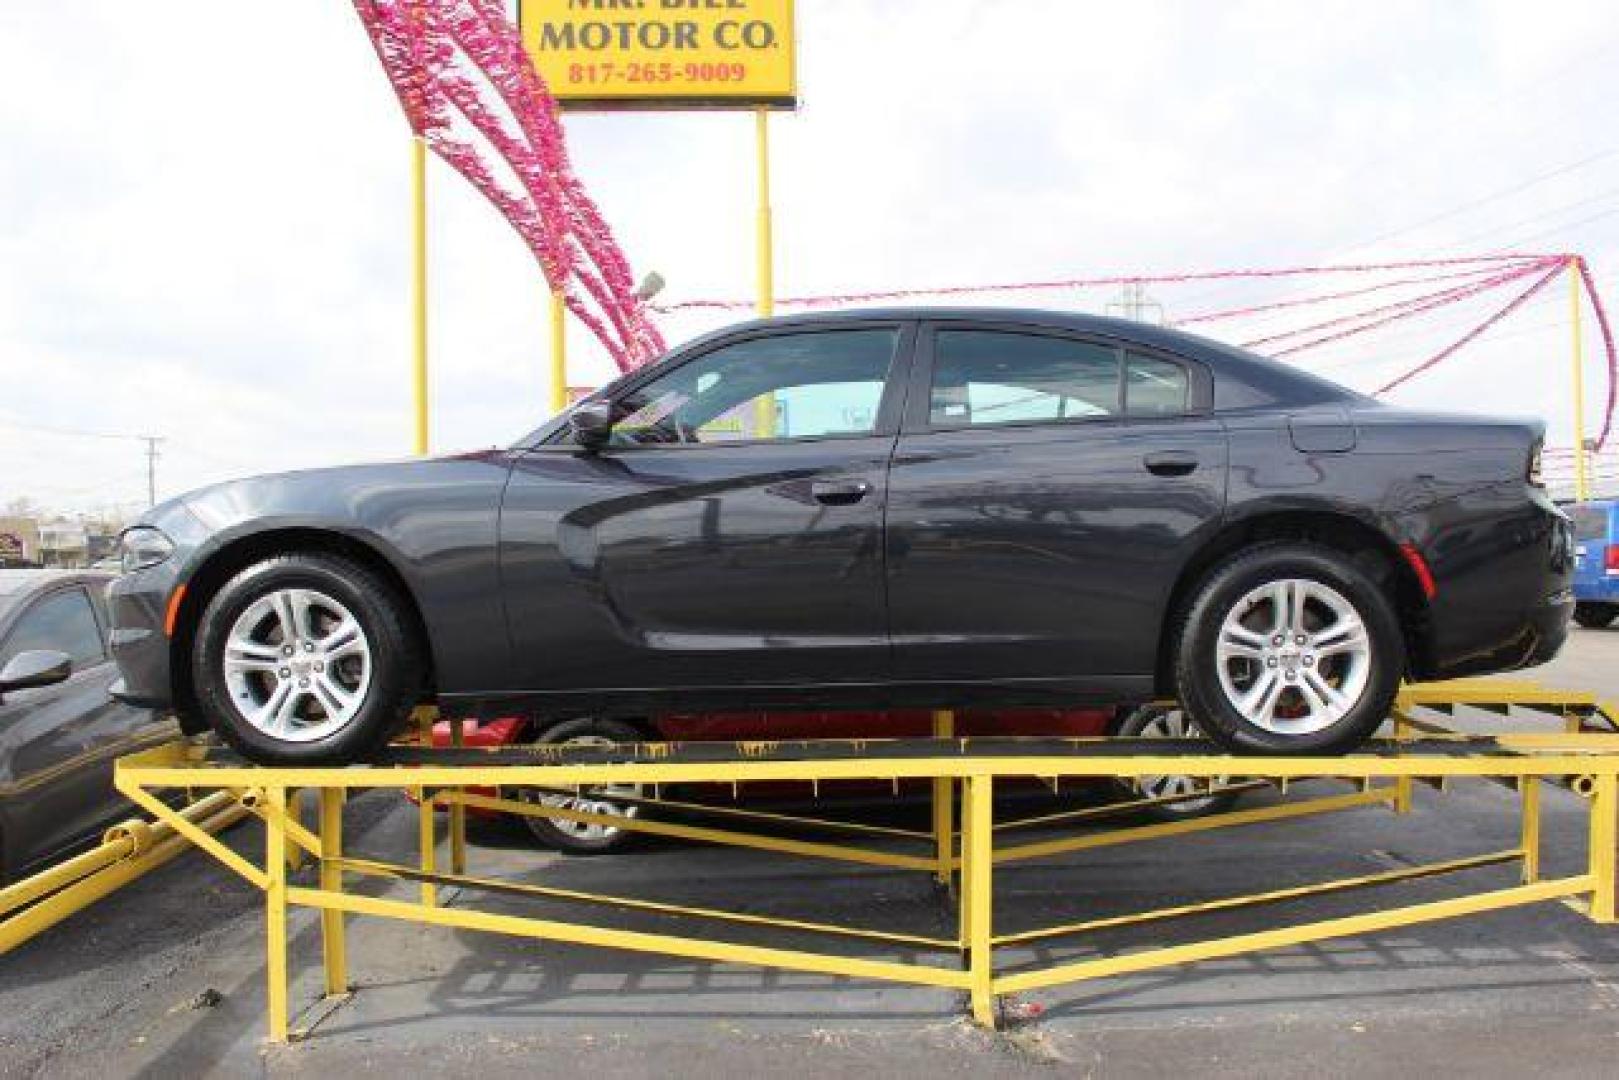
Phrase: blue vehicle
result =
(1596, 562)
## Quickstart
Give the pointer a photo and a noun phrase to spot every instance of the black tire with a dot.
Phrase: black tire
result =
(558, 836)
(397, 658)
(1145, 720)
(1196, 665)
(1595, 616)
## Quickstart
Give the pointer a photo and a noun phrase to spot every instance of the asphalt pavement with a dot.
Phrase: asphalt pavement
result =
(166, 978)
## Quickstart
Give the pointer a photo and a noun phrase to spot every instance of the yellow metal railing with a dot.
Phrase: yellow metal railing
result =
(129, 850)
(1580, 754)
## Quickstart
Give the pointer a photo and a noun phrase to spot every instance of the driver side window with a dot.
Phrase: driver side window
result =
(62, 622)
(823, 384)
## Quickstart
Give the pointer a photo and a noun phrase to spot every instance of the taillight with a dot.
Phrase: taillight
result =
(1610, 561)
(1535, 476)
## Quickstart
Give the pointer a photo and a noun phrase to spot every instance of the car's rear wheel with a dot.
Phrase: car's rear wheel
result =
(1595, 616)
(306, 658)
(1170, 722)
(1289, 648)
(584, 837)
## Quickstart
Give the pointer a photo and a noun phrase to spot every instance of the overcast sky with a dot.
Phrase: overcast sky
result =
(203, 203)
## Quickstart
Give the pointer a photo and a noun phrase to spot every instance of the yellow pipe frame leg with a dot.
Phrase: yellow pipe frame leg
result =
(944, 811)
(334, 946)
(275, 921)
(295, 820)
(458, 813)
(977, 872)
(426, 810)
(1402, 785)
(1604, 838)
(1529, 838)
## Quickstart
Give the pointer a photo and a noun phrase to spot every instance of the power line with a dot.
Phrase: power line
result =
(1524, 185)
(1611, 193)
(151, 442)
(77, 433)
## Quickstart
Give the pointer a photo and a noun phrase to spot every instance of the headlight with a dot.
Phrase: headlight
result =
(143, 546)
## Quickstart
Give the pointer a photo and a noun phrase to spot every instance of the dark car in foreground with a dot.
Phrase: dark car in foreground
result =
(59, 730)
(905, 508)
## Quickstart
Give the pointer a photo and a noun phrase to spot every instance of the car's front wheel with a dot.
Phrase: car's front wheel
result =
(305, 659)
(1289, 648)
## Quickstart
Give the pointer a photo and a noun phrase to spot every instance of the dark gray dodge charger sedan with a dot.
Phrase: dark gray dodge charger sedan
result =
(872, 509)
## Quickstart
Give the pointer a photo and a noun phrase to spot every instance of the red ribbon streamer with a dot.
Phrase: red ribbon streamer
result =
(833, 299)
(450, 58)
(1517, 302)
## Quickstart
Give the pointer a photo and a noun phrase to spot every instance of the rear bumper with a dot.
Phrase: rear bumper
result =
(1604, 590)
(1505, 591)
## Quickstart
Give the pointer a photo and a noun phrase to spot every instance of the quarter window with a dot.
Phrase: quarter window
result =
(786, 386)
(62, 622)
(1154, 387)
(984, 377)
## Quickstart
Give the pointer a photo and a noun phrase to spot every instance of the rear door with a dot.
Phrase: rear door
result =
(1045, 492)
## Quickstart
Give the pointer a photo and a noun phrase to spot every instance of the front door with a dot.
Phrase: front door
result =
(58, 743)
(729, 533)
(1045, 493)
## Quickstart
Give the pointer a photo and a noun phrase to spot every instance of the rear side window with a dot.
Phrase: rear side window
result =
(62, 622)
(1590, 522)
(986, 377)
(1154, 387)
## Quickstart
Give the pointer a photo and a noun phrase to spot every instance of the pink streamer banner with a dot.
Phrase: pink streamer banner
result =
(468, 88)
(1469, 277)
(1184, 277)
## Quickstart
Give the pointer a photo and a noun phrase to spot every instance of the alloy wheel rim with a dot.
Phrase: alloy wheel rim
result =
(594, 801)
(1294, 656)
(1174, 724)
(297, 665)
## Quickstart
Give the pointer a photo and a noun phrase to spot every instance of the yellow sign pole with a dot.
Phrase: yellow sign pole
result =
(1582, 490)
(766, 253)
(764, 409)
(559, 353)
(418, 285)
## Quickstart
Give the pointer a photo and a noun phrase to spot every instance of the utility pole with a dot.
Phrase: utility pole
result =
(151, 442)
(1134, 303)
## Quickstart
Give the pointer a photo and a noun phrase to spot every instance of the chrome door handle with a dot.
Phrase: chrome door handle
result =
(1171, 463)
(839, 492)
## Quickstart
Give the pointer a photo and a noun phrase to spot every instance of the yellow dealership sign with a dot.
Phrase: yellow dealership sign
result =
(663, 53)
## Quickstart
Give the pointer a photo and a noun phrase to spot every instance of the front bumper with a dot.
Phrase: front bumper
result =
(138, 603)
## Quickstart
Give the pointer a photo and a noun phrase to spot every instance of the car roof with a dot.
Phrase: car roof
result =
(1146, 333)
(17, 582)
(1234, 361)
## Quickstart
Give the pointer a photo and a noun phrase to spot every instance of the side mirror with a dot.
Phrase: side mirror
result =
(34, 668)
(591, 423)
